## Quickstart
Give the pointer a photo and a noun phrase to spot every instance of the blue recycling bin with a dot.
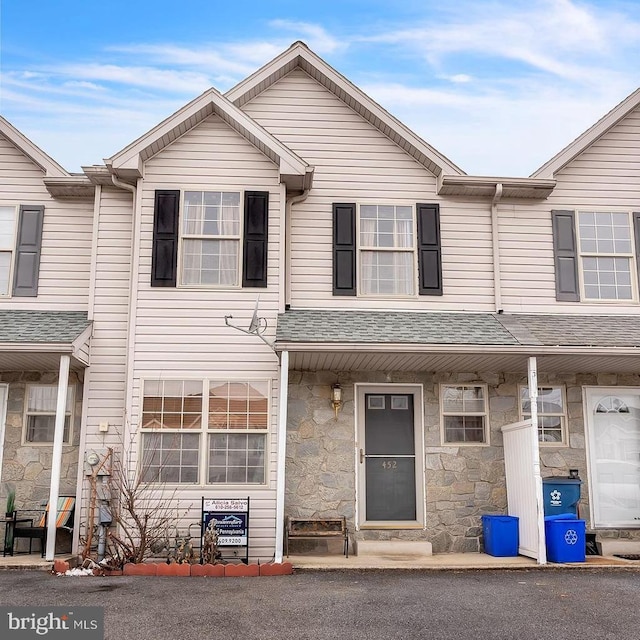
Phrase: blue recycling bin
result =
(561, 495)
(565, 538)
(501, 535)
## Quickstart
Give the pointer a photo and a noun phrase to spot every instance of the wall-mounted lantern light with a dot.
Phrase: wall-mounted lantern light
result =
(336, 398)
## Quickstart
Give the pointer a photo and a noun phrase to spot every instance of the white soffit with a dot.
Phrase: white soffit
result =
(458, 362)
(300, 56)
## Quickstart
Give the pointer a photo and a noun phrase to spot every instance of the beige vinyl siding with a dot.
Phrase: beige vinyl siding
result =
(66, 235)
(181, 332)
(110, 308)
(355, 162)
(605, 177)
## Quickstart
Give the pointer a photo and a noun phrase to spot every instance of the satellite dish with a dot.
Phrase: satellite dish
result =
(254, 326)
(257, 326)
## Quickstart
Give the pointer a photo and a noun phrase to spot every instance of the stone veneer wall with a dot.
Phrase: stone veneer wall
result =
(462, 482)
(27, 467)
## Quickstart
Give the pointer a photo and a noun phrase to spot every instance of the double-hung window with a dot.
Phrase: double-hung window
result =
(387, 250)
(552, 414)
(40, 416)
(606, 254)
(210, 236)
(8, 218)
(205, 431)
(464, 414)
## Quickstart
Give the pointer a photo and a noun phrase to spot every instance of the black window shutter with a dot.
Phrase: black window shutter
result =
(27, 265)
(164, 256)
(565, 255)
(344, 249)
(256, 225)
(429, 250)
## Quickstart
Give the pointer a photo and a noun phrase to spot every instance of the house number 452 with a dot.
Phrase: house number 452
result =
(389, 464)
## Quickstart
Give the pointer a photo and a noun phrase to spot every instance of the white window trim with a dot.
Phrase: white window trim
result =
(564, 417)
(204, 432)
(632, 259)
(414, 251)
(12, 259)
(181, 237)
(27, 413)
(485, 413)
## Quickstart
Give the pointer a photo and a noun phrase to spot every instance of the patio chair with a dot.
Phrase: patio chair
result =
(34, 527)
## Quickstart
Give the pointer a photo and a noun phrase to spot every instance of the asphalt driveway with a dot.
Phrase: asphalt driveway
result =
(340, 605)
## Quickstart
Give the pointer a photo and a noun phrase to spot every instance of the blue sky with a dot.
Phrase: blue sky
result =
(497, 86)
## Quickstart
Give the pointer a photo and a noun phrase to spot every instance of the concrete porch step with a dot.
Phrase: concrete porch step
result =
(395, 548)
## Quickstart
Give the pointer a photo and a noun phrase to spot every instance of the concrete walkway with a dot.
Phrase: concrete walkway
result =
(445, 561)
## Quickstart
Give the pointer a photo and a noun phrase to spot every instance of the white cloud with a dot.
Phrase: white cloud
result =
(558, 37)
(315, 36)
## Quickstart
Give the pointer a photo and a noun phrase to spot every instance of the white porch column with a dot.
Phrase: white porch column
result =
(56, 462)
(533, 403)
(282, 452)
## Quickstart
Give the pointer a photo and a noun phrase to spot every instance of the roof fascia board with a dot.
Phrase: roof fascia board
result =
(373, 347)
(37, 155)
(591, 135)
(130, 159)
(37, 347)
(300, 55)
(70, 187)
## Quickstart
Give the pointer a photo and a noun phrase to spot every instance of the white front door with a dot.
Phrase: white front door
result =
(613, 429)
(390, 452)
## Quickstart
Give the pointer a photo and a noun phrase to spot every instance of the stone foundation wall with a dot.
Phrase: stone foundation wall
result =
(25, 466)
(462, 482)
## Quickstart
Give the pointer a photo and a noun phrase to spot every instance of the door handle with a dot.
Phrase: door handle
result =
(361, 456)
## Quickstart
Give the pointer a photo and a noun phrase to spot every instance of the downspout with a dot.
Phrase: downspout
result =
(497, 288)
(86, 383)
(133, 289)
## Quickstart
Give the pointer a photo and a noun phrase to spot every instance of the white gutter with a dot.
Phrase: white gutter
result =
(282, 450)
(287, 243)
(495, 238)
(56, 460)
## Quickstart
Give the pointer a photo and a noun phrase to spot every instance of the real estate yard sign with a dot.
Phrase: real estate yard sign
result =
(230, 517)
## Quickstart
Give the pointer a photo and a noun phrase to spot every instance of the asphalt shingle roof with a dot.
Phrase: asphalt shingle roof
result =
(392, 327)
(342, 326)
(42, 326)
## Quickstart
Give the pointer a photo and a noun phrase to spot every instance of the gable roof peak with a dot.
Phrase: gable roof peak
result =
(586, 139)
(127, 163)
(50, 167)
(299, 55)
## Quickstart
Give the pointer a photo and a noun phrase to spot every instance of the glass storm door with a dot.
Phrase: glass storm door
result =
(389, 457)
(613, 418)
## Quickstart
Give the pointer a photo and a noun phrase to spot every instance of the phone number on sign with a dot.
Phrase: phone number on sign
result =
(239, 541)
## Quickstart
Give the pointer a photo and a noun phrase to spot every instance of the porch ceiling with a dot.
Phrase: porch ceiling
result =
(345, 360)
(21, 361)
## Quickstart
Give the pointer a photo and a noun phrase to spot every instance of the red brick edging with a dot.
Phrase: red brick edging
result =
(200, 570)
